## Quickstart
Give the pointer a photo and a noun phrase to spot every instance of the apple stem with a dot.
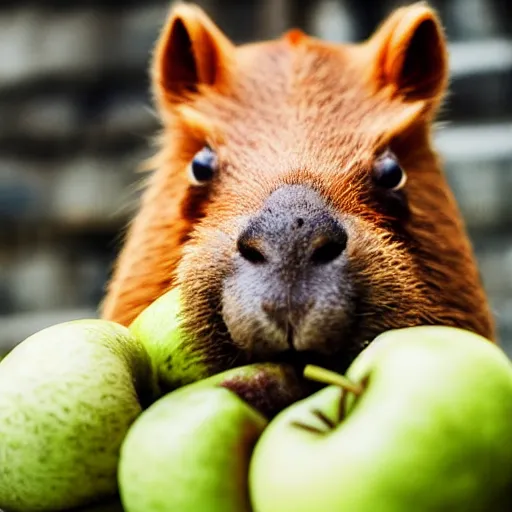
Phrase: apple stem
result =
(325, 376)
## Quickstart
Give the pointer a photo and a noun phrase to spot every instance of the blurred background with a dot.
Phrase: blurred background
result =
(76, 120)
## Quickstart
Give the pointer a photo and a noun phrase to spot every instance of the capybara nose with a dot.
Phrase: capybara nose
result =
(293, 232)
(289, 287)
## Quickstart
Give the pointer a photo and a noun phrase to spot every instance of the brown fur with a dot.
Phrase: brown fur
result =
(299, 110)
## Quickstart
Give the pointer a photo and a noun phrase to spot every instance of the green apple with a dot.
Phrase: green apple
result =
(190, 450)
(68, 395)
(176, 358)
(427, 427)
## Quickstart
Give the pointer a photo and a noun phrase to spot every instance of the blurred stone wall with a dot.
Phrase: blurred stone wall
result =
(76, 120)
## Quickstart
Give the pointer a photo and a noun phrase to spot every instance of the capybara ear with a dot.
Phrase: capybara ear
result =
(191, 52)
(410, 53)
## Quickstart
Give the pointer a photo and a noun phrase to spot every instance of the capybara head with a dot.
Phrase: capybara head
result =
(297, 198)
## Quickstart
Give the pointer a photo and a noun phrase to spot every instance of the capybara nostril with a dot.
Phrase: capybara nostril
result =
(249, 250)
(327, 249)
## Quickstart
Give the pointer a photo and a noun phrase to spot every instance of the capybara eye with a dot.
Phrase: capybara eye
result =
(387, 172)
(203, 167)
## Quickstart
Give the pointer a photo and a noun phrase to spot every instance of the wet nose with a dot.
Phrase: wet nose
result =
(294, 232)
(288, 288)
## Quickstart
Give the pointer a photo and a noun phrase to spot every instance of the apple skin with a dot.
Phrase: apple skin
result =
(268, 387)
(68, 395)
(176, 358)
(190, 452)
(432, 431)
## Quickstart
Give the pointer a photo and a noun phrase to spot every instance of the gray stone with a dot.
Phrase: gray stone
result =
(496, 267)
(24, 189)
(477, 188)
(129, 115)
(134, 34)
(87, 190)
(35, 41)
(38, 280)
(49, 116)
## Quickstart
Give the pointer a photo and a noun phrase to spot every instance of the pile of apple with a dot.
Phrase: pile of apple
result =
(95, 416)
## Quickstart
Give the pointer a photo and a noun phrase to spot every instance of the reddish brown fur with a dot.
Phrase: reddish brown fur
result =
(299, 110)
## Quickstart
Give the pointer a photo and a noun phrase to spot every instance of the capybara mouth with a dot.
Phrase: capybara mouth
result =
(298, 360)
